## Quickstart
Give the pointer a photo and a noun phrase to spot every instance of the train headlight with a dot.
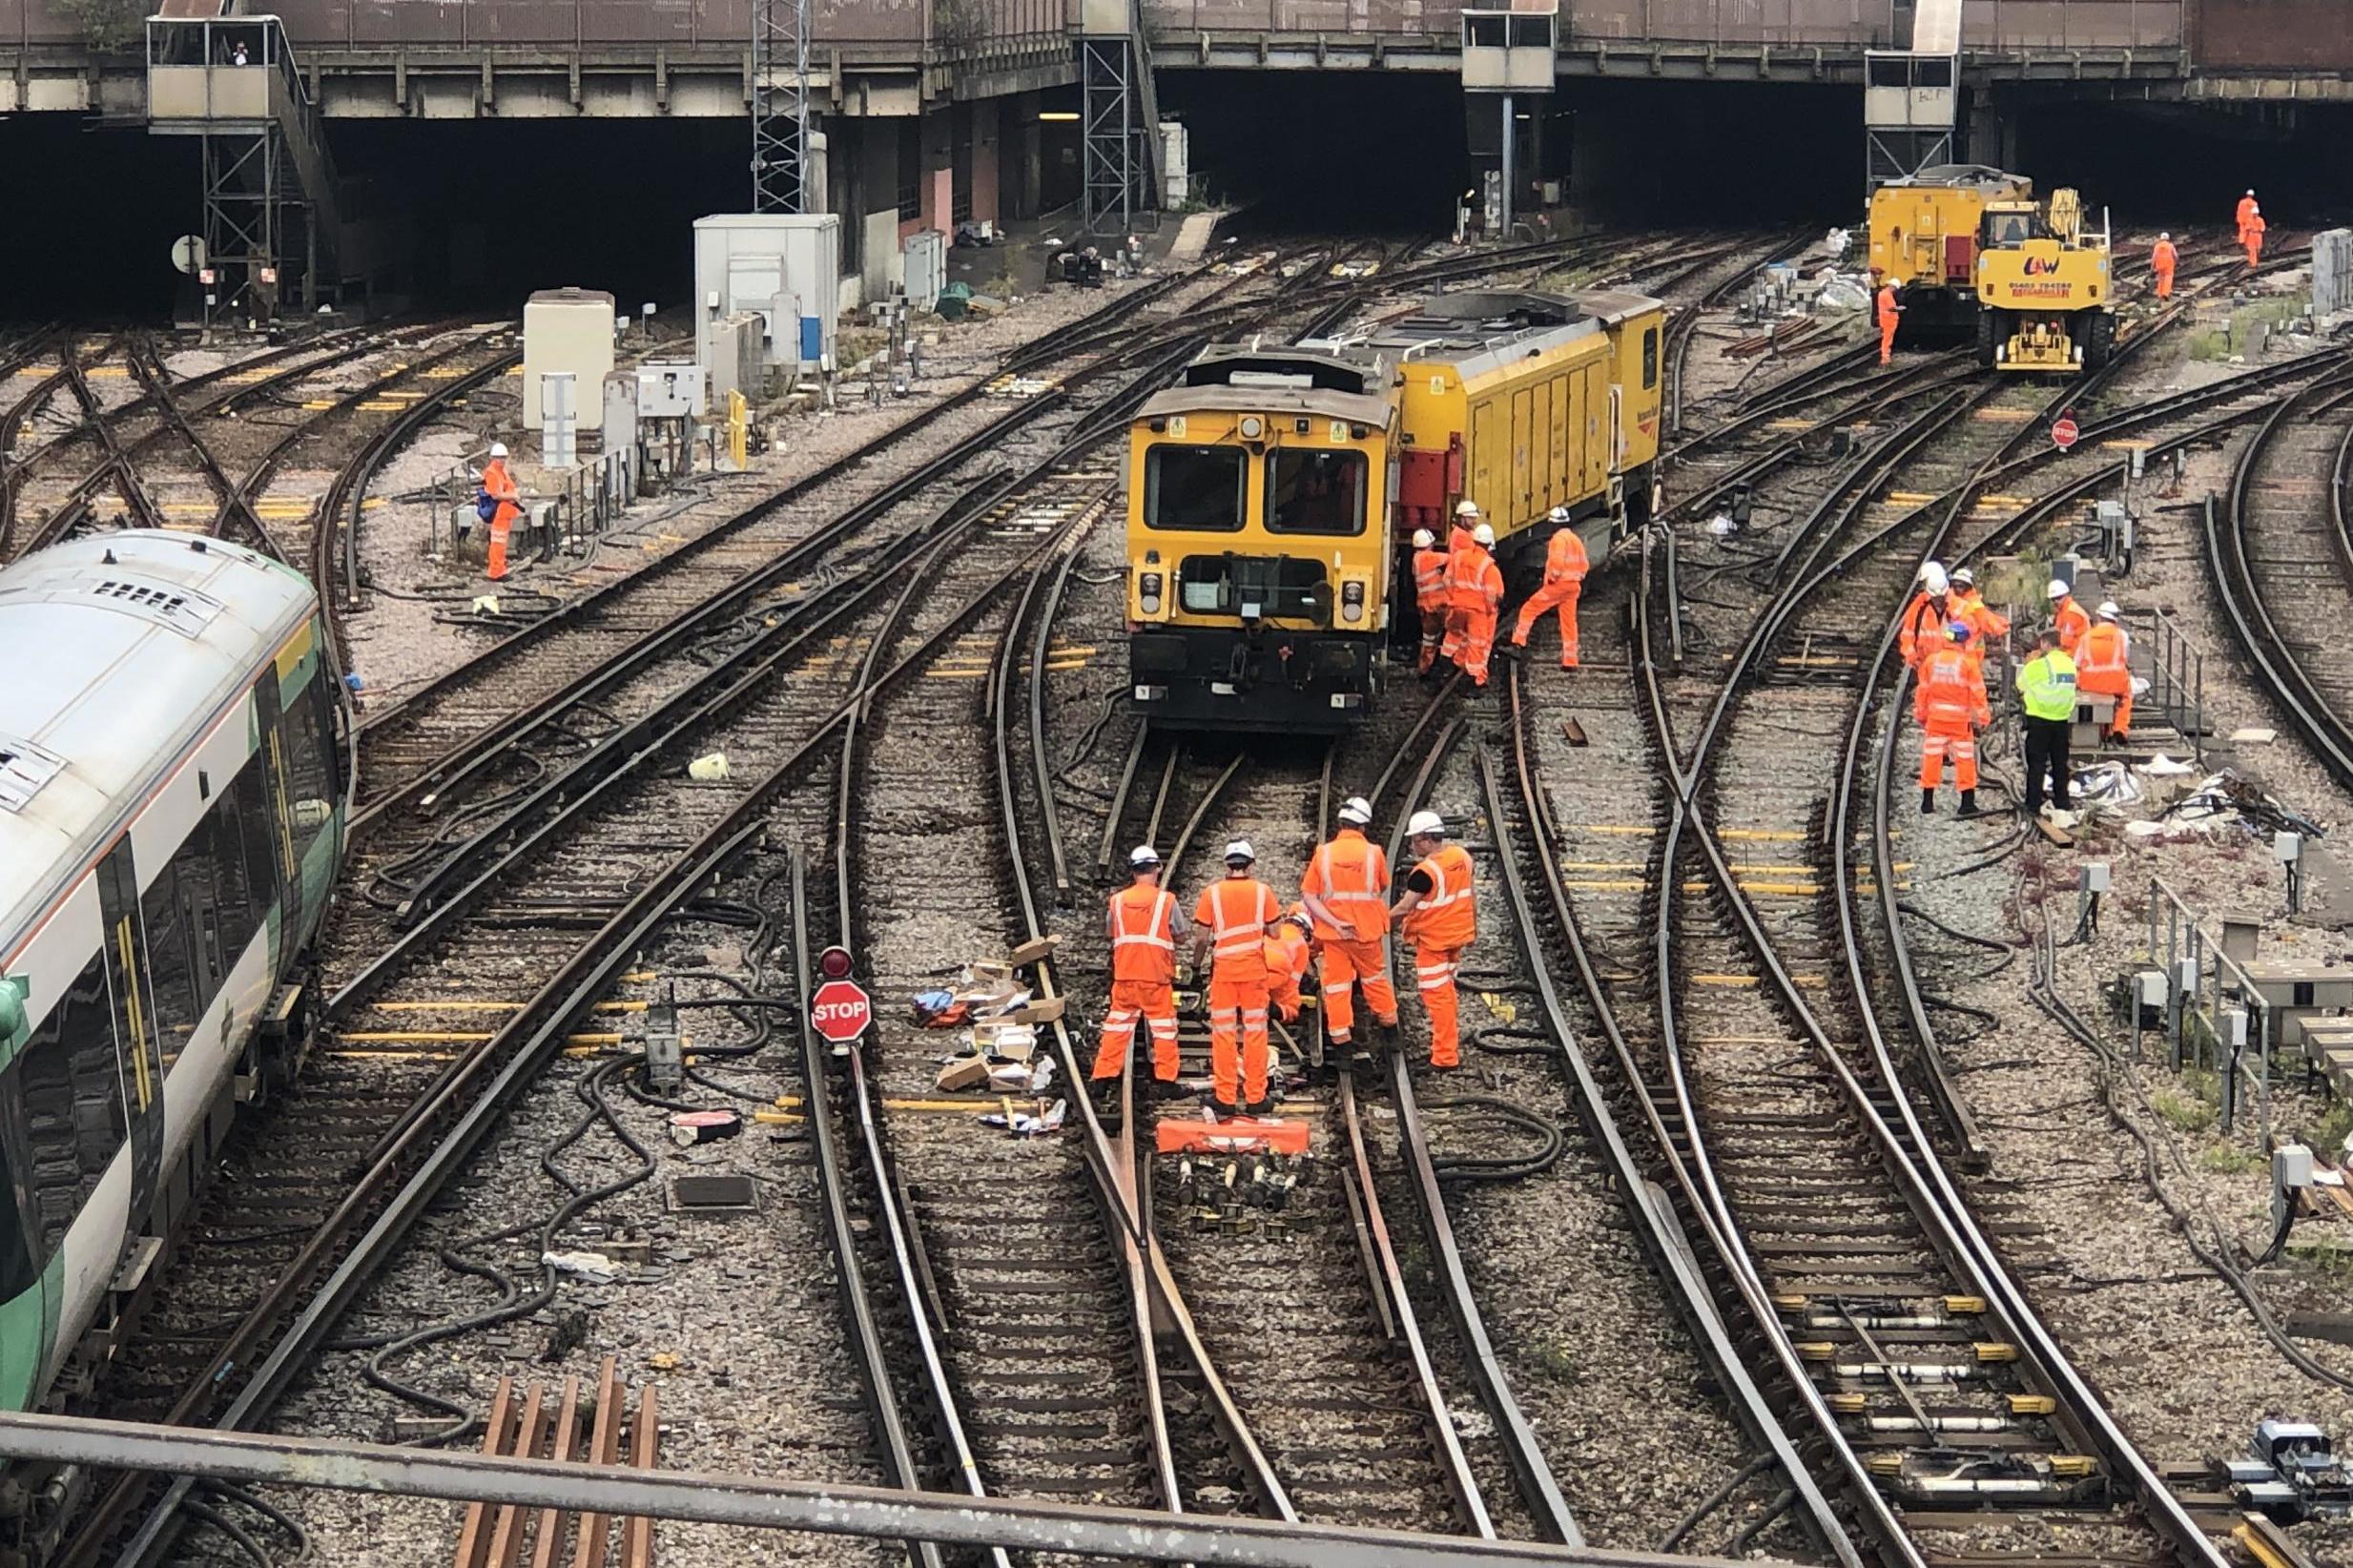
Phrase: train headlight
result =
(1351, 601)
(1147, 592)
(1252, 428)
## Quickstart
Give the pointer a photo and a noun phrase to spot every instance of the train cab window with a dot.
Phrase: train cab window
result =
(1198, 488)
(172, 955)
(1650, 358)
(1254, 587)
(310, 765)
(1315, 491)
(70, 1082)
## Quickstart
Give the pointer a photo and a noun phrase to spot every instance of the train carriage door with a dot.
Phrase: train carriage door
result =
(1487, 482)
(1565, 458)
(1523, 438)
(1542, 456)
(1595, 407)
(269, 720)
(138, 1051)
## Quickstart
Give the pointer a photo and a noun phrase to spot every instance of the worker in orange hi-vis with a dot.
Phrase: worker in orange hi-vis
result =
(1430, 594)
(1231, 922)
(1951, 706)
(2067, 617)
(1475, 588)
(505, 501)
(1889, 312)
(1441, 919)
(2162, 260)
(1458, 614)
(1924, 617)
(1145, 925)
(1345, 891)
(2246, 210)
(1291, 948)
(2104, 666)
(1565, 564)
(1987, 625)
(2253, 238)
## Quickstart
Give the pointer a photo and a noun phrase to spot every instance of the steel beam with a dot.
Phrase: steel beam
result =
(780, 172)
(767, 1503)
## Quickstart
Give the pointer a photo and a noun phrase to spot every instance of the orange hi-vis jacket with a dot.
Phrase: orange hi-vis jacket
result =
(1237, 911)
(2246, 211)
(1472, 584)
(1969, 606)
(1429, 579)
(2071, 622)
(499, 485)
(1888, 309)
(2103, 651)
(1565, 562)
(1345, 889)
(1923, 623)
(1951, 694)
(2164, 257)
(1289, 952)
(1143, 934)
(1446, 916)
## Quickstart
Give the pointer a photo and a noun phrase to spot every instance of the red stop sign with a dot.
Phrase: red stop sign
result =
(2063, 434)
(840, 1010)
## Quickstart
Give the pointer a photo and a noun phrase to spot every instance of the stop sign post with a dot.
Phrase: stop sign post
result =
(2063, 434)
(840, 1011)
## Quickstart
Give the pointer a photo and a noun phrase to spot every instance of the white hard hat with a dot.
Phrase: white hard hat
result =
(1932, 579)
(2250, 190)
(1558, 514)
(2165, 234)
(1423, 539)
(1483, 535)
(2057, 591)
(2108, 610)
(1429, 822)
(1357, 810)
(1963, 574)
(498, 448)
(1143, 857)
(1930, 569)
(1240, 850)
(1466, 508)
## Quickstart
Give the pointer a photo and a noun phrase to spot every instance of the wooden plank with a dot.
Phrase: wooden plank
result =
(550, 1533)
(474, 1540)
(645, 1435)
(2058, 837)
(603, 1445)
(506, 1532)
(1573, 732)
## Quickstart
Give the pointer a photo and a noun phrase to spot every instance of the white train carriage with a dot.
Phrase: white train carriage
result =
(171, 808)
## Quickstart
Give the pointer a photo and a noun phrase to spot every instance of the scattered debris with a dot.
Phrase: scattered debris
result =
(710, 768)
(688, 1128)
(595, 1268)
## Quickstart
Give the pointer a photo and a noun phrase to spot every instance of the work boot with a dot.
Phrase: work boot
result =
(1164, 1089)
(1387, 1035)
(1927, 802)
(1968, 803)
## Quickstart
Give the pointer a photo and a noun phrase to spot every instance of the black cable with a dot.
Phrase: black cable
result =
(1711, 1502)
(1539, 1041)
(1755, 1527)
(229, 1527)
(270, 1510)
(1498, 1167)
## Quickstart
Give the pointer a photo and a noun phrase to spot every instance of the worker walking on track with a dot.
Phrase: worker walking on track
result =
(1458, 614)
(1430, 596)
(1145, 925)
(1889, 312)
(1291, 949)
(1475, 588)
(1986, 625)
(1565, 566)
(504, 501)
(1951, 706)
(2067, 617)
(2162, 260)
(1345, 891)
(2253, 238)
(1441, 918)
(2103, 666)
(2046, 693)
(1924, 617)
(1231, 922)
(2246, 210)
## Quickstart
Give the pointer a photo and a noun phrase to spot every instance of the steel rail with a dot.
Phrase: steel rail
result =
(95, 414)
(1684, 324)
(148, 366)
(1655, 1225)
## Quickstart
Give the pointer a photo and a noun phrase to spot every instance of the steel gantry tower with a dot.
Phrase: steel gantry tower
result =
(1119, 118)
(780, 172)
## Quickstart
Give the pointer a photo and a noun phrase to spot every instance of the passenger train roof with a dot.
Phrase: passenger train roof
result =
(120, 650)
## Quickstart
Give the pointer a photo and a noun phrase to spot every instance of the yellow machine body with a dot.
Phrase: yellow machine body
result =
(2044, 287)
(1924, 237)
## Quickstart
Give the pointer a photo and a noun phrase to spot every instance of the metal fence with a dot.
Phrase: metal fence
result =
(2177, 683)
(2215, 1016)
(586, 504)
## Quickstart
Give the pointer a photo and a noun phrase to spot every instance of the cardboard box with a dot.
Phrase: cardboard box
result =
(965, 1072)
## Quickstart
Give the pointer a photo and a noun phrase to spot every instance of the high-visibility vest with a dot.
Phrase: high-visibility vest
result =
(2047, 686)
(1237, 911)
(1969, 605)
(1289, 952)
(1472, 580)
(1446, 916)
(1951, 692)
(2103, 651)
(1888, 309)
(2071, 622)
(1429, 579)
(1349, 877)
(2164, 257)
(1564, 559)
(1922, 617)
(2246, 211)
(1143, 934)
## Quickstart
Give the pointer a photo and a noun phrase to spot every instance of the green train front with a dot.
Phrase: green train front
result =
(172, 808)
(1259, 563)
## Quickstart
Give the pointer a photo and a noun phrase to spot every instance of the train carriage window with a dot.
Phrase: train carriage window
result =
(20, 1264)
(1198, 488)
(310, 765)
(1312, 491)
(71, 1083)
(1650, 358)
(171, 958)
(1254, 586)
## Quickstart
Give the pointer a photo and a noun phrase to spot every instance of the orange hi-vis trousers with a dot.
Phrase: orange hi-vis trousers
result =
(1479, 644)
(1347, 962)
(1545, 597)
(1238, 1008)
(1938, 740)
(1155, 1002)
(1434, 973)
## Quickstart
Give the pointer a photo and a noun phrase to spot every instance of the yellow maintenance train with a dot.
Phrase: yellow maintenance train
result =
(1272, 494)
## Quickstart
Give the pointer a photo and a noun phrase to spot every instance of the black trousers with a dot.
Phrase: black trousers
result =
(2046, 751)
